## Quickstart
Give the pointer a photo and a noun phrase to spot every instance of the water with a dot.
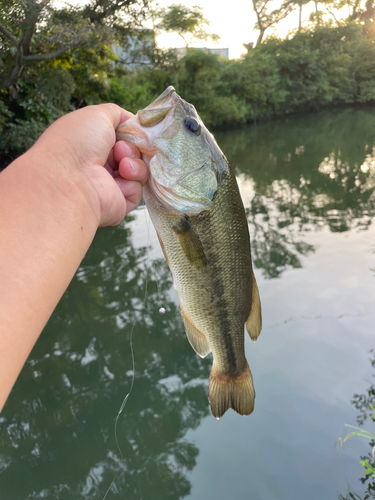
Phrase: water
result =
(307, 183)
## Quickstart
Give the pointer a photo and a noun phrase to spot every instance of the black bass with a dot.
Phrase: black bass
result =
(195, 205)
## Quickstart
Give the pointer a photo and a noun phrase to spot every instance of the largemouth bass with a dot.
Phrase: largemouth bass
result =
(195, 205)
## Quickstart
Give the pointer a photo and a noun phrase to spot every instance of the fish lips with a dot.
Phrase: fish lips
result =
(144, 128)
(160, 111)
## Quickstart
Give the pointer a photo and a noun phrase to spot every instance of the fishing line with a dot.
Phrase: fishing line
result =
(122, 408)
(125, 400)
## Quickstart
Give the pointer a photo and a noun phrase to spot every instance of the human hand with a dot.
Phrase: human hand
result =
(83, 150)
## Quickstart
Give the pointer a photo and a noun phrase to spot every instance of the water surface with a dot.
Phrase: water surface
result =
(308, 188)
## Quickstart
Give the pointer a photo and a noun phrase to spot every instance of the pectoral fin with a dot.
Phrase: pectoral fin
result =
(190, 243)
(254, 321)
(197, 340)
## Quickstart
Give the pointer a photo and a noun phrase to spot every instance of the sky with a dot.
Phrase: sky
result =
(234, 23)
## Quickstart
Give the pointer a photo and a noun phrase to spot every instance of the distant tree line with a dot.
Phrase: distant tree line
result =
(54, 60)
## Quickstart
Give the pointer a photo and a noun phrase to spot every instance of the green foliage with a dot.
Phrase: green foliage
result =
(367, 463)
(189, 23)
(127, 92)
(370, 470)
(21, 135)
(31, 115)
(5, 116)
(312, 69)
(227, 110)
(365, 404)
(200, 81)
(35, 32)
(315, 68)
(350, 496)
(54, 60)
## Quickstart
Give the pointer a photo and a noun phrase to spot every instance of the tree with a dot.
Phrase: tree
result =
(300, 4)
(353, 6)
(266, 20)
(367, 17)
(188, 23)
(317, 13)
(32, 31)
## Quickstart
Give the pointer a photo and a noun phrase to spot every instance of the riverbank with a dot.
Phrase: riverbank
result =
(317, 69)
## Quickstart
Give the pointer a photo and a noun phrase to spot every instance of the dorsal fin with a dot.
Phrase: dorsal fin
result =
(254, 321)
(190, 242)
(197, 340)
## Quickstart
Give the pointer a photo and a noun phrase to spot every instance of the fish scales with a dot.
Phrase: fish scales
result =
(206, 244)
(217, 298)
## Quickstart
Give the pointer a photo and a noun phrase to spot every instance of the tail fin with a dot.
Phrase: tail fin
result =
(231, 392)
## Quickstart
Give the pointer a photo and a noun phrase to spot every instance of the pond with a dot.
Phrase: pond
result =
(307, 184)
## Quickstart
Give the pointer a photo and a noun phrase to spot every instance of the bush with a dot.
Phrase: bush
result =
(325, 66)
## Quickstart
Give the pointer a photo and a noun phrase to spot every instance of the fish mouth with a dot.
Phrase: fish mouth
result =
(155, 112)
(168, 97)
(133, 129)
(150, 117)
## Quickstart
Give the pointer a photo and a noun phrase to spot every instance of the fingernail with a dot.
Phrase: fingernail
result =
(118, 182)
(135, 166)
(129, 151)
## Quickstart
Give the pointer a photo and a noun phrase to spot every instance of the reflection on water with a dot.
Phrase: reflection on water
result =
(305, 174)
(273, 248)
(58, 427)
(308, 173)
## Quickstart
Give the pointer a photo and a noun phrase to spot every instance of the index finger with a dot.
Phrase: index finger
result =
(115, 113)
(122, 149)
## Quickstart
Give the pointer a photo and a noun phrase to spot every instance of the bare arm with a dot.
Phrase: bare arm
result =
(52, 200)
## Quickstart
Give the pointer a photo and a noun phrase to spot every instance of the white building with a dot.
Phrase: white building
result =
(181, 51)
(136, 54)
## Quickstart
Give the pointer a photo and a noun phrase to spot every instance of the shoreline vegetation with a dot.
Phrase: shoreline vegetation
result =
(322, 67)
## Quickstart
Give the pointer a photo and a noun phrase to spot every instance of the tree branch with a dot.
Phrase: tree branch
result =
(50, 55)
(334, 17)
(354, 14)
(98, 16)
(278, 15)
(263, 7)
(260, 24)
(9, 35)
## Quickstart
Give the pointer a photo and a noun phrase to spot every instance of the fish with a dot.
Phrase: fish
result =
(195, 205)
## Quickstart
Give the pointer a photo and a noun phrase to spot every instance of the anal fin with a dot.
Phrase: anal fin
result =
(254, 321)
(236, 392)
(197, 340)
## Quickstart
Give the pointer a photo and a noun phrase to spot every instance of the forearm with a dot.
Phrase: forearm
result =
(46, 227)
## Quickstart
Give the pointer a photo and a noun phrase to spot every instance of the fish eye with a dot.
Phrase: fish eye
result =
(192, 125)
